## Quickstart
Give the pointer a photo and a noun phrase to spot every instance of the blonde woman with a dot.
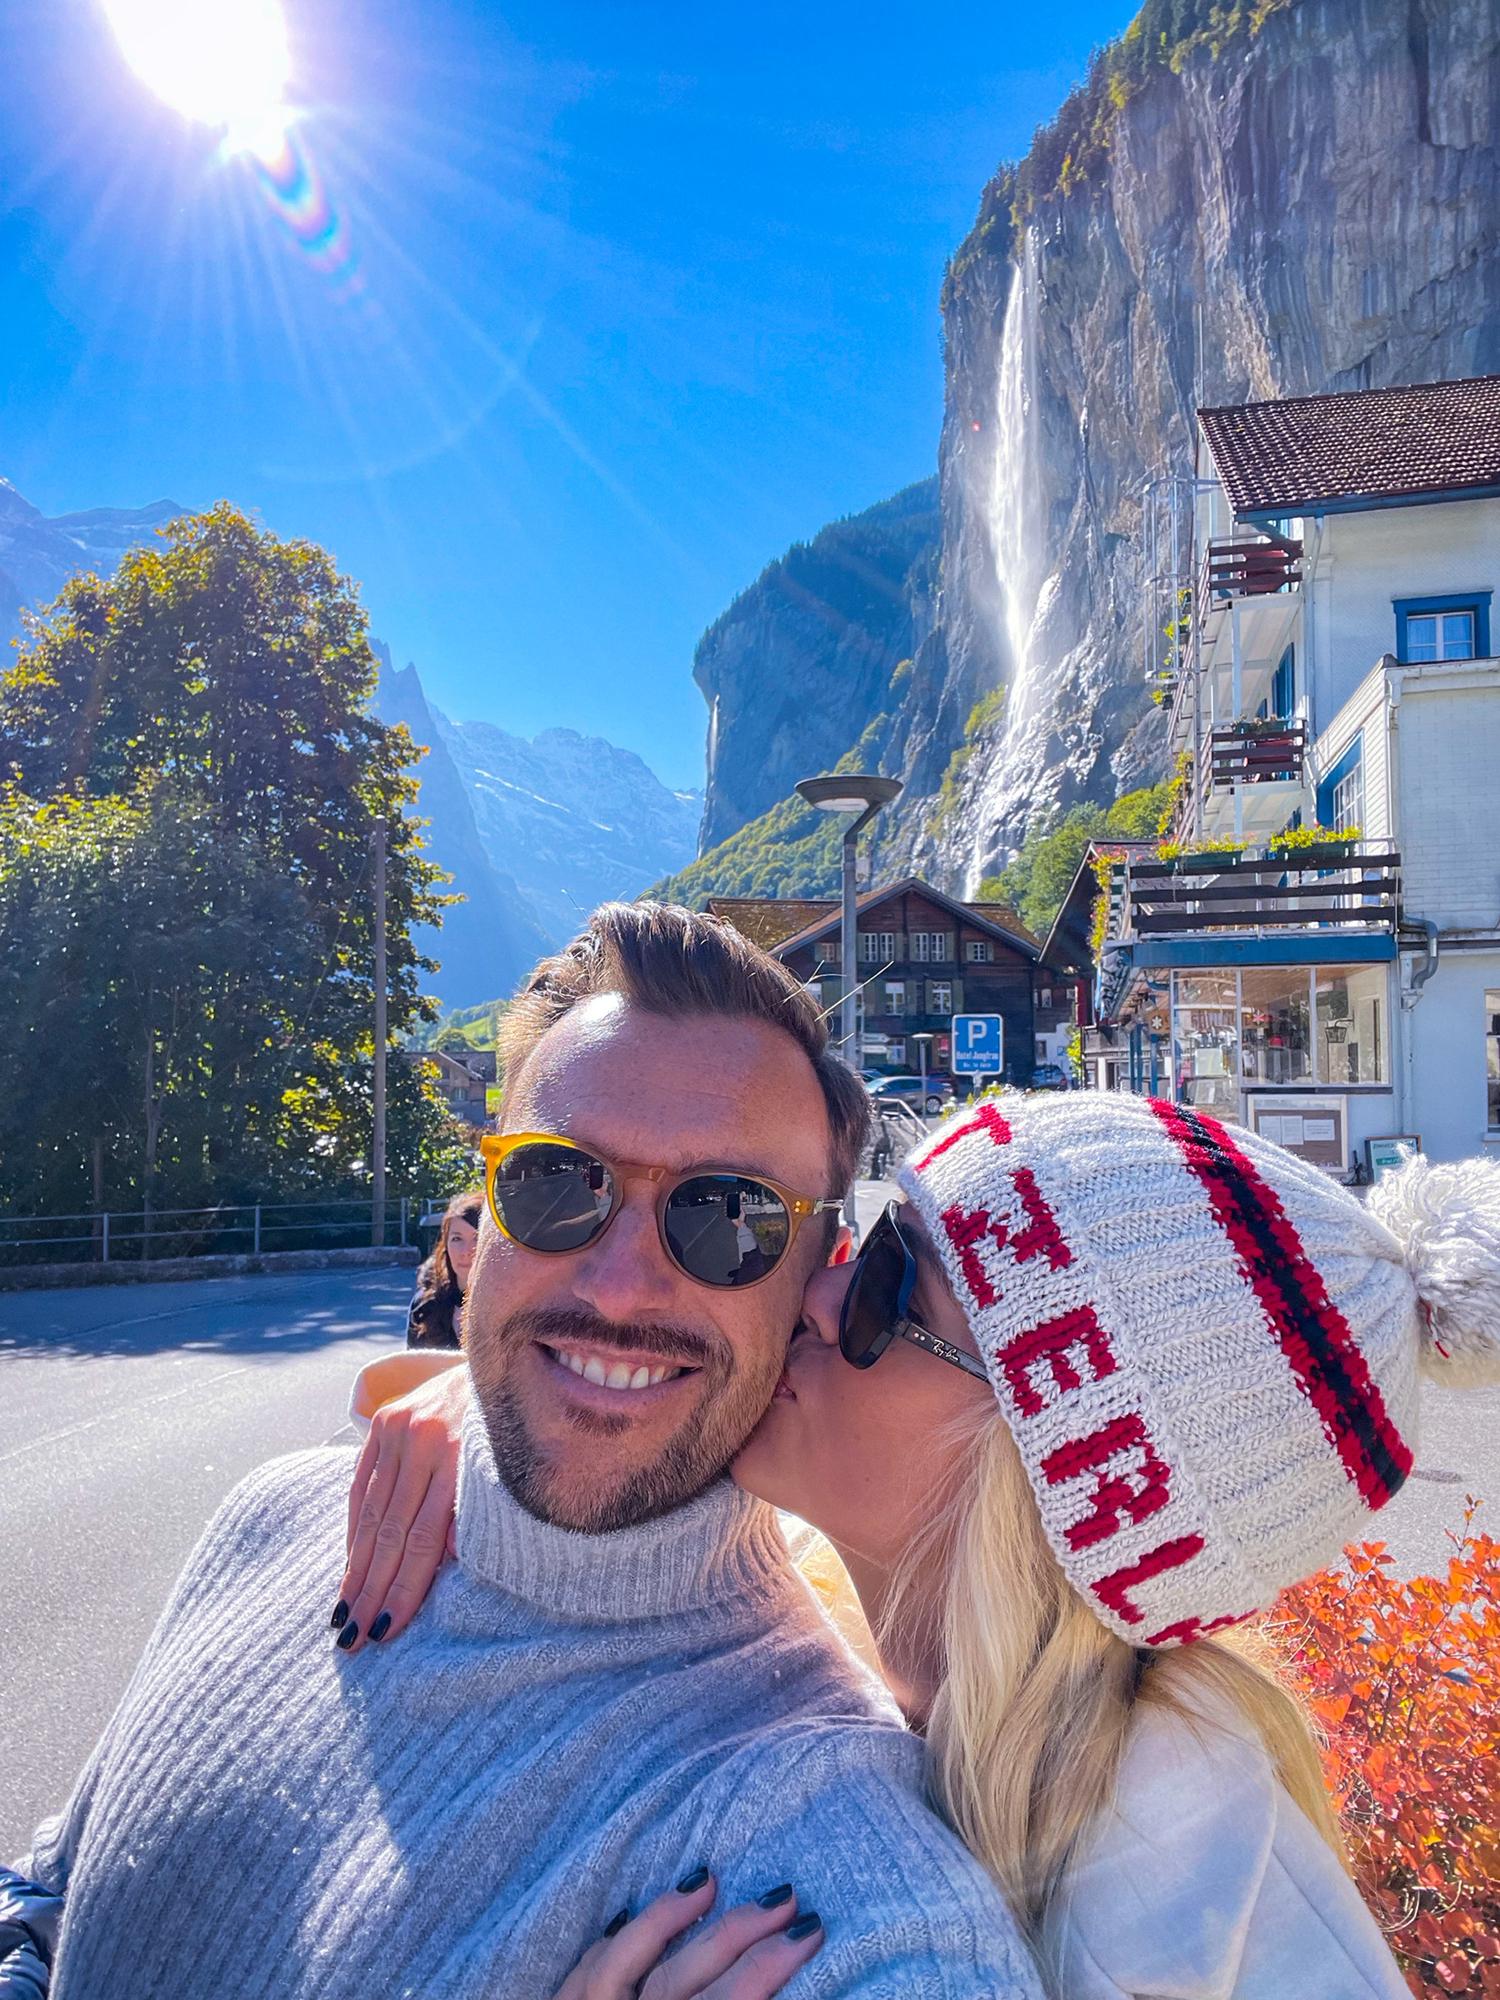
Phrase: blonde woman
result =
(1111, 1378)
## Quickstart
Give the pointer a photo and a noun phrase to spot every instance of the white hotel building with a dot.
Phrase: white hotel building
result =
(1337, 671)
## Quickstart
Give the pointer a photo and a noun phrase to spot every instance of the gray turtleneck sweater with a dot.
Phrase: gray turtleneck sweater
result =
(571, 1724)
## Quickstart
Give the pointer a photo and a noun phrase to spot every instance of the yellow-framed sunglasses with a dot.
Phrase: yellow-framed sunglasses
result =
(719, 1226)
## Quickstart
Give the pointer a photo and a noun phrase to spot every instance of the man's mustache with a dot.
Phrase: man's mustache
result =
(556, 1326)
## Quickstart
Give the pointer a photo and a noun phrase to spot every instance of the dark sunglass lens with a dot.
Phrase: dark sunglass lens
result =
(552, 1197)
(873, 1300)
(726, 1230)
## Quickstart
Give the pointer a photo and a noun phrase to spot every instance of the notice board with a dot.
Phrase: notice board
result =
(1315, 1128)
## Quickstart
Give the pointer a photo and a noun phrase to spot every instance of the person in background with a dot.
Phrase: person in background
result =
(436, 1315)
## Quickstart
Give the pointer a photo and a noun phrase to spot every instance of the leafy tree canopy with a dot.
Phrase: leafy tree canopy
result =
(192, 778)
(1037, 881)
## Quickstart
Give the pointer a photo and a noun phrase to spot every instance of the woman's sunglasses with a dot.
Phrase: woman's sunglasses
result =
(880, 1291)
(719, 1227)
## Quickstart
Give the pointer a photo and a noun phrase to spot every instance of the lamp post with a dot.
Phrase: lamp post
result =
(921, 1042)
(862, 796)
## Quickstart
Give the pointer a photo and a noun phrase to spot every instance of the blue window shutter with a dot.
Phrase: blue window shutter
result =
(1336, 774)
(1284, 685)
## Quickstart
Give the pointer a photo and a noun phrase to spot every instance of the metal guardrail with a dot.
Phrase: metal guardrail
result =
(246, 1228)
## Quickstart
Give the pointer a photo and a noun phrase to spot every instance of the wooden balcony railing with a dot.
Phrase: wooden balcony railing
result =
(1248, 569)
(1304, 889)
(1263, 755)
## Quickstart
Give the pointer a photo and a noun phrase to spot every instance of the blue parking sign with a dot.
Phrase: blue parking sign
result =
(978, 1045)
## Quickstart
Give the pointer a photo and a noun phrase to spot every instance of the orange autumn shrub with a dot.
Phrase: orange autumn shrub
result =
(1403, 1677)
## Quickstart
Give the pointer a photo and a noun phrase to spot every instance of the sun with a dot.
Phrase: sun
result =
(223, 63)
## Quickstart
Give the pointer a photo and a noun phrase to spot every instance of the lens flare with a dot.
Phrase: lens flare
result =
(226, 65)
(299, 199)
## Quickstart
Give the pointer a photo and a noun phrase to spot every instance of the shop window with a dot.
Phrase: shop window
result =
(1275, 1045)
(895, 1050)
(1443, 628)
(1492, 1056)
(1349, 1043)
(1205, 1041)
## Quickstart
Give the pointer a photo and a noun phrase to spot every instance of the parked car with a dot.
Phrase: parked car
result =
(911, 1091)
(1050, 1076)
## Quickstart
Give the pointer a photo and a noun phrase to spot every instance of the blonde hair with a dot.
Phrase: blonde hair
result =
(1037, 1698)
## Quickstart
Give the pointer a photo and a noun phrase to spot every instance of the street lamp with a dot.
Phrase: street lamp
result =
(862, 796)
(921, 1042)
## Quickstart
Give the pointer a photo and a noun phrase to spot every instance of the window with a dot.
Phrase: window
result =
(1443, 628)
(895, 996)
(895, 1049)
(931, 947)
(979, 951)
(1492, 1056)
(1044, 998)
(1284, 686)
(939, 997)
(1286, 1026)
(1275, 1045)
(877, 947)
(1349, 1042)
(1341, 792)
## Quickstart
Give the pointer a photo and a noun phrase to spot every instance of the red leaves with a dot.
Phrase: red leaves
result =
(1403, 1677)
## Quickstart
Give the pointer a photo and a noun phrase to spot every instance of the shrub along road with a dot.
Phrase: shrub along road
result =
(129, 1413)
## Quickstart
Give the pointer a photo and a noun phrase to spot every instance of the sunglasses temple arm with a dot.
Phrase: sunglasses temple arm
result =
(944, 1350)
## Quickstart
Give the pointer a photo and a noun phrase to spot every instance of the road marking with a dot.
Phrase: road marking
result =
(113, 1415)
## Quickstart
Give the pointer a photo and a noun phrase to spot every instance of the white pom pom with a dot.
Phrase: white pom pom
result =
(1447, 1222)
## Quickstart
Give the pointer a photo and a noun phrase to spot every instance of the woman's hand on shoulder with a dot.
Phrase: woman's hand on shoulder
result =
(747, 1954)
(401, 1509)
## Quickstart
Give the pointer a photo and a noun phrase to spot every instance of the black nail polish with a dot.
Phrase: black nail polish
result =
(774, 1898)
(347, 1636)
(617, 1922)
(340, 1614)
(691, 1882)
(803, 1928)
(381, 1626)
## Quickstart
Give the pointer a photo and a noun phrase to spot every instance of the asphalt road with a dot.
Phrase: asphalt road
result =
(126, 1415)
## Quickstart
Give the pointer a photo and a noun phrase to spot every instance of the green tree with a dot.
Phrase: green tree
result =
(1037, 881)
(185, 877)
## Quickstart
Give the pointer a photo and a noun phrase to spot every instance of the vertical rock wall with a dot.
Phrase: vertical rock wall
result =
(1322, 197)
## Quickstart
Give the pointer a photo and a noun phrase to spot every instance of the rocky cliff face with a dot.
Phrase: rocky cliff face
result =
(802, 661)
(1314, 205)
(1239, 203)
(576, 820)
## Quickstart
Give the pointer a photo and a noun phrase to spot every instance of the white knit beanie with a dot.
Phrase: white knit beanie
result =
(1207, 1351)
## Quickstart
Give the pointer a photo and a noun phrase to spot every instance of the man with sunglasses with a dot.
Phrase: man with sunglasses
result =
(621, 1683)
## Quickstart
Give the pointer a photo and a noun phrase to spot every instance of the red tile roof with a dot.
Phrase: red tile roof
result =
(1369, 444)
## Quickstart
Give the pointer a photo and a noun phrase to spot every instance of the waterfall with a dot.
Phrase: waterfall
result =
(1018, 536)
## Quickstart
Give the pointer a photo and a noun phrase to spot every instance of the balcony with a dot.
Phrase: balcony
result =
(1255, 753)
(1304, 889)
(1257, 568)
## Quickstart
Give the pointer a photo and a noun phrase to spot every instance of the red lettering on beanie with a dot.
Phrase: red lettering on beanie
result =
(1130, 1478)
(1186, 1630)
(986, 1119)
(1064, 1343)
(1111, 1590)
(1039, 1236)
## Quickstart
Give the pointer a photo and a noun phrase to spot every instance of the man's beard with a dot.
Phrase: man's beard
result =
(730, 1403)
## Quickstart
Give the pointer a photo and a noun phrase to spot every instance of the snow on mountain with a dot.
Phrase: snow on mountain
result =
(575, 819)
(38, 554)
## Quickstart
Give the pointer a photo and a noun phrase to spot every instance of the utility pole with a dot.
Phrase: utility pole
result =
(377, 1147)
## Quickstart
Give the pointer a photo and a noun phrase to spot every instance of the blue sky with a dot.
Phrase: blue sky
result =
(625, 299)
